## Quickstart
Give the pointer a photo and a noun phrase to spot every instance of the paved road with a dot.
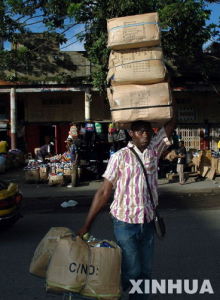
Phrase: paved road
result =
(191, 249)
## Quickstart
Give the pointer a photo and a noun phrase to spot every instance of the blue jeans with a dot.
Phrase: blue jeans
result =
(137, 244)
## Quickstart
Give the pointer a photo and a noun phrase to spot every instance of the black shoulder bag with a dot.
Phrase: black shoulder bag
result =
(159, 224)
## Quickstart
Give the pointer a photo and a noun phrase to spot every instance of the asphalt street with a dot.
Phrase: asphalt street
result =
(190, 249)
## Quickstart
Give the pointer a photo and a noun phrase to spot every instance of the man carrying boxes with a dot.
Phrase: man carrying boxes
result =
(140, 103)
(135, 196)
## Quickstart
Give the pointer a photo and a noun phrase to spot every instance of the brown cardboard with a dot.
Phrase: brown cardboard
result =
(136, 66)
(101, 284)
(133, 31)
(32, 176)
(44, 174)
(172, 177)
(211, 174)
(67, 171)
(68, 266)
(205, 171)
(218, 170)
(45, 250)
(196, 161)
(80, 267)
(171, 155)
(54, 179)
(140, 102)
(214, 163)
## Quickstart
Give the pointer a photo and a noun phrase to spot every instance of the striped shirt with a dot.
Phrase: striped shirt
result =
(131, 201)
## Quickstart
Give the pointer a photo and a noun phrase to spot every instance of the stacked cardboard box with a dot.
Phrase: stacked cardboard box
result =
(137, 74)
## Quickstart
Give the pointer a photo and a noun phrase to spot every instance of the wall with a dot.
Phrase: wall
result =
(63, 107)
(197, 107)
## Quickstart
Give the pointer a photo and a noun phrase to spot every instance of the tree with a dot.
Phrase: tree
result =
(183, 23)
(16, 19)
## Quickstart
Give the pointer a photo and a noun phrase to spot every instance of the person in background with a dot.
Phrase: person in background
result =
(131, 208)
(181, 161)
(74, 156)
(45, 150)
(73, 132)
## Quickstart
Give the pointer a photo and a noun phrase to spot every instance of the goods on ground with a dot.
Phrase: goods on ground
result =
(32, 175)
(55, 179)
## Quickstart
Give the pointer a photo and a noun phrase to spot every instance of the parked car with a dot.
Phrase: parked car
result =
(10, 203)
(2, 163)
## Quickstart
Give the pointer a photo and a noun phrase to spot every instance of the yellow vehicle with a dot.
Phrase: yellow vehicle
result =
(10, 203)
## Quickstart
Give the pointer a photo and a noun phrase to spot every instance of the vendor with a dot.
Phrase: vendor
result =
(45, 150)
(72, 148)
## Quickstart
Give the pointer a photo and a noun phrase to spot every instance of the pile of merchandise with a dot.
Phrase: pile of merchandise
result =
(207, 163)
(56, 171)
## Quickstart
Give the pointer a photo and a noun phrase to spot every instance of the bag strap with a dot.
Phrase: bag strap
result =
(146, 177)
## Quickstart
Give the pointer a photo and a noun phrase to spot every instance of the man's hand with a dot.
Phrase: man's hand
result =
(82, 231)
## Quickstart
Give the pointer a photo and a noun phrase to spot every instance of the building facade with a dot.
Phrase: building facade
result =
(49, 101)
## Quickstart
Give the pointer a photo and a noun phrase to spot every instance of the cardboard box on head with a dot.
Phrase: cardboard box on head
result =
(152, 103)
(133, 31)
(136, 66)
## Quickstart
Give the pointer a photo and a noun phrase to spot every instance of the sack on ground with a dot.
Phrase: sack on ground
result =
(43, 174)
(55, 179)
(151, 103)
(136, 66)
(32, 175)
(45, 250)
(133, 31)
(80, 267)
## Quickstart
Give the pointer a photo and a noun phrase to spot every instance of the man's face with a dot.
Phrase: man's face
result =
(141, 137)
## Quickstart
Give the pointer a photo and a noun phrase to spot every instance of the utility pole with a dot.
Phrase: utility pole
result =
(88, 99)
(13, 118)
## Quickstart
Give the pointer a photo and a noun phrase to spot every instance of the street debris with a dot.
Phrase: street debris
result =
(70, 203)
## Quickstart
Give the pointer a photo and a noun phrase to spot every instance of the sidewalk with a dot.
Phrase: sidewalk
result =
(203, 194)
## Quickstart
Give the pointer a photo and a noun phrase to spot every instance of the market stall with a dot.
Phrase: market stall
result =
(56, 170)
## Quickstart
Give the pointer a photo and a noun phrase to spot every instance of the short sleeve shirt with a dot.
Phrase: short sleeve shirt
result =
(131, 201)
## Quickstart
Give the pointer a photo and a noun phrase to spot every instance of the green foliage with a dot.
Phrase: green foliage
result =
(13, 28)
(183, 24)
